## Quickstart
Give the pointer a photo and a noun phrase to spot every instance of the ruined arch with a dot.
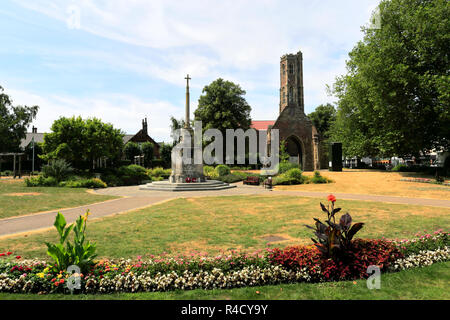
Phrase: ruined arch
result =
(296, 150)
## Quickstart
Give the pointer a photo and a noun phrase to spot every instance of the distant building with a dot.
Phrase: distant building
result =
(140, 137)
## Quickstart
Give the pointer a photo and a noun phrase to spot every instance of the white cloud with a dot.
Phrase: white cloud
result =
(123, 111)
(240, 41)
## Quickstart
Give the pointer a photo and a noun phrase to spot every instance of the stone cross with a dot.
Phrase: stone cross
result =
(187, 124)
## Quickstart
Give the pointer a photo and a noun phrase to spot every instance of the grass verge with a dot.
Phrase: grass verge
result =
(16, 199)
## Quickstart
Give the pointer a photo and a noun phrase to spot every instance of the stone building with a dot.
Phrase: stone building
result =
(301, 136)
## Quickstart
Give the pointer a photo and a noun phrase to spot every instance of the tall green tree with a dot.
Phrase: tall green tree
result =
(222, 106)
(147, 150)
(323, 117)
(395, 97)
(166, 154)
(14, 121)
(80, 141)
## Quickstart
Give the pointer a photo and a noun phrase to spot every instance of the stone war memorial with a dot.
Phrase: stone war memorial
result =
(187, 175)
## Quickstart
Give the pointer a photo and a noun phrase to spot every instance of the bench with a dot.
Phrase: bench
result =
(252, 180)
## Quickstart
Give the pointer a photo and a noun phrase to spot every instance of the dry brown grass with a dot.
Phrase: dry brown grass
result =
(374, 182)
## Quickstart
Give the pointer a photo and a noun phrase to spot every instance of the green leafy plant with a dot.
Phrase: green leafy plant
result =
(318, 179)
(58, 169)
(334, 240)
(222, 170)
(80, 253)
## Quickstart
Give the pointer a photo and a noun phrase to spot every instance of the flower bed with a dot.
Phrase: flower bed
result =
(235, 269)
(425, 180)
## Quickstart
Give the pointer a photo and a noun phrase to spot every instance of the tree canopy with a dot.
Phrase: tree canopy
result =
(80, 141)
(14, 121)
(395, 97)
(323, 117)
(222, 106)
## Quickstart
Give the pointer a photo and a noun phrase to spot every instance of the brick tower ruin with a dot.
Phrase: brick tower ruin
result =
(300, 135)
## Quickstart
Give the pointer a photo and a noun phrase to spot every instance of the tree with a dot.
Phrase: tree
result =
(131, 150)
(166, 154)
(222, 106)
(14, 121)
(395, 97)
(147, 150)
(79, 141)
(322, 118)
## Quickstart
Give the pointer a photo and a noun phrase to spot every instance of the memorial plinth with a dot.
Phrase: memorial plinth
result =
(187, 175)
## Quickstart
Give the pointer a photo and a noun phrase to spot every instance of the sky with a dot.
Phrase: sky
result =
(123, 60)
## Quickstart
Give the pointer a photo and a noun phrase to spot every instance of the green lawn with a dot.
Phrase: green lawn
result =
(237, 222)
(44, 198)
(421, 283)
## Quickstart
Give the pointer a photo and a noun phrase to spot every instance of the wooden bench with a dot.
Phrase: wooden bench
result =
(252, 180)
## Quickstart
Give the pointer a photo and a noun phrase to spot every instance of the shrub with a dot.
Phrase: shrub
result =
(41, 181)
(400, 168)
(334, 239)
(81, 253)
(208, 170)
(160, 172)
(157, 178)
(317, 178)
(291, 177)
(295, 174)
(283, 180)
(7, 173)
(58, 169)
(132, 174)
(241, 175)
(222, 170)
(286, 166)
(111, 180)
(93, 183)
(230, 178)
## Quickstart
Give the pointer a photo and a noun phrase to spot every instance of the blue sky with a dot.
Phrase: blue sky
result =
(123, 60)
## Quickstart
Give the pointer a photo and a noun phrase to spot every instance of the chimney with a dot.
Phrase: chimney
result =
(34, 130)
(144, 126)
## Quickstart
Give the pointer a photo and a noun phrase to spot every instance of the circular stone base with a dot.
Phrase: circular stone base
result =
(193, 186)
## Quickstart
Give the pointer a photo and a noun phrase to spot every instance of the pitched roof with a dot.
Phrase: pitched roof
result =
(38, 137)
(262, 124)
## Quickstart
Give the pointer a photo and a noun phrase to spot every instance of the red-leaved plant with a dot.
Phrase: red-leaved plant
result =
(334, 239)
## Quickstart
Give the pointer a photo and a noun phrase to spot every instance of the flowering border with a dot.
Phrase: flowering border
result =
(425, 180)
(231, 270)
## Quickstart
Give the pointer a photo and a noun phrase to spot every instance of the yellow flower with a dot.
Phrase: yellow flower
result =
(59, 276)
(40, 275)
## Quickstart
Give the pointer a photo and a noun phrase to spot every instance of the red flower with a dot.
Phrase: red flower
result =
(331, 198)
(2, 254)
(18, 257)
(9, 253)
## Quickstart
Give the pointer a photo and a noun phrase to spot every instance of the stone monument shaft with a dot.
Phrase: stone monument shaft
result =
(187, 121)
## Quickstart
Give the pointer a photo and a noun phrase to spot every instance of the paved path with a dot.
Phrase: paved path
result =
(133, 198)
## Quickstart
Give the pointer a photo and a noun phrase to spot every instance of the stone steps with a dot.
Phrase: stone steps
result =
(193, 186)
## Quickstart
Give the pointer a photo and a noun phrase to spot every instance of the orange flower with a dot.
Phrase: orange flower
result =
(331, 198)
